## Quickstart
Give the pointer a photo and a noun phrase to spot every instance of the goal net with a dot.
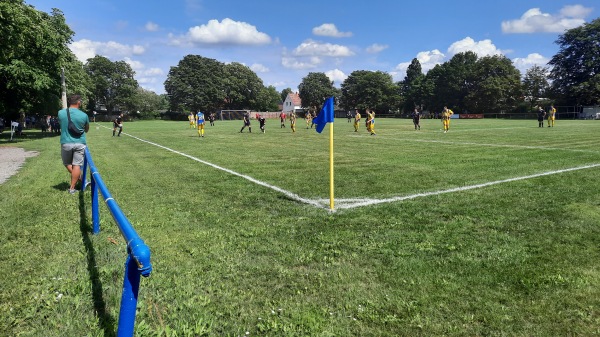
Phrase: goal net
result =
(233, 114)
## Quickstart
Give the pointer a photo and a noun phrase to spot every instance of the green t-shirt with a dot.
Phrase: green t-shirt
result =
(80, 119)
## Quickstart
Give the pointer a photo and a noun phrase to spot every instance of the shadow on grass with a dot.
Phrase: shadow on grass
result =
(106, 321)
(62, 186)
(26, 135)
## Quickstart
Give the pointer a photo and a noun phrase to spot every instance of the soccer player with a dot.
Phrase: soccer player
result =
(551, 116)
(416, 117)
(282, 119)
(356, 120)
(211, 119)
(446, 115)
(308, 118)
(200, 123)
(191, 118)
(246, 122)
(540, 115)
(261, 122)
(118, 123)
(371, 121)
(293, 121)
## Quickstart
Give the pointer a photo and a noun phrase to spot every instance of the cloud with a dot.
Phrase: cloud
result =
(531, 60)
(314, 48)
(85, 49)
(329, 29)
(336, 75)
(427, 59)
(259, 68)
(295, 63)
(534, 21)
(376, 48)
(227, 32)
(151, 26)
(481, 48)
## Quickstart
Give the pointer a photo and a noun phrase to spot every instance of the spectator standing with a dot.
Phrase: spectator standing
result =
(73, 146)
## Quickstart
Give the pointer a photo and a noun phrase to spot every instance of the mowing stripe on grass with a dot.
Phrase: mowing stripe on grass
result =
(289, 194)
(527, 147)
(360, 202)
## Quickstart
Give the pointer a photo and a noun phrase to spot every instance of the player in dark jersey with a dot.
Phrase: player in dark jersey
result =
(246, 122)
(261, 121)
(118, 123)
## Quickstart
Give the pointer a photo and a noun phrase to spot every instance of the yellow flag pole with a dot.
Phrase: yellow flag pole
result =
(331, 199)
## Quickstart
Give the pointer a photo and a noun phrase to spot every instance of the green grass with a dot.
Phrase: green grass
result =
(230, 256)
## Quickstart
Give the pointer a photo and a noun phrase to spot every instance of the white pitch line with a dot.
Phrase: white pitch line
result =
(353, 203)
(361, 202)
(289, 194)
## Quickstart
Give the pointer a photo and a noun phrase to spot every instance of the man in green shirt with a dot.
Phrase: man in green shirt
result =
(73, 145)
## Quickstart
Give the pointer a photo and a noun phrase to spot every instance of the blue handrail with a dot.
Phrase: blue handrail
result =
(138, 253)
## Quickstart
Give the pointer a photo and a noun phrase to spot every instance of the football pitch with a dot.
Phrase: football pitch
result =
(489, 229)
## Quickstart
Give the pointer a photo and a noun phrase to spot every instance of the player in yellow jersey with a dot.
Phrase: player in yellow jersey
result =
(192, 120)
(293, 121)
(308, 118)
(446, 115)
(551, 116)
(371, 121)
(200, 122)
(356, 120)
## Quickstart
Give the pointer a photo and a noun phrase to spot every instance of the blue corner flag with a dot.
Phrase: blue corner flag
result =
(325, 116)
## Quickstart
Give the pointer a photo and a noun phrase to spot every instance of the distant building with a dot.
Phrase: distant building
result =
(292, 103)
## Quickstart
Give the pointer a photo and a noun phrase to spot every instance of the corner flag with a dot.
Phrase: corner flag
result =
(325, 116)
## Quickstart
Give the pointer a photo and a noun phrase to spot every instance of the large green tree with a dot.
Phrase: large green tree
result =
(496, 86)
(365, 89)
(575, 69)
(535, 85)
(314, 89)
(413, 86)
(267, 99)
(242, 87)
(197, 84)
(33, 48)
(451, 82)
(113, 84)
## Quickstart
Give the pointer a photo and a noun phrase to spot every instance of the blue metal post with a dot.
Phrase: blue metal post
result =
(83, 174)
(131, 286)
(95, 207)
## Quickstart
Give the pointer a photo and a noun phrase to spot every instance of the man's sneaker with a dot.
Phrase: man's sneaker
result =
(72, 191)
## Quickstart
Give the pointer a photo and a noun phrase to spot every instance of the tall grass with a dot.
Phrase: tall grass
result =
(233, 258)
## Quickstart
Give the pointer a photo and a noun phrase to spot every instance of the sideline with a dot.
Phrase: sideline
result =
(361, 202)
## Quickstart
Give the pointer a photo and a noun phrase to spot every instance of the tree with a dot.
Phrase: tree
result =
(267, 99)
(242, 86)
(314, 89)
(453, 81)
(412, 86)
(365, 89)
(496, 88)
(535, 84)
(284, 93)
(147, 104)
(113, 83)
(33, 48)
(576, 67)
(197, 84)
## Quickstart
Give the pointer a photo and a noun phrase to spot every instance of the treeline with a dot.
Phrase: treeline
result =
(34, 50)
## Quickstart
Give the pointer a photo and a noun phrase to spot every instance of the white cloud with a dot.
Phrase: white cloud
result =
(135, 65)
(481, 48)
(531, 60)
(376, 48)
(314, 48)
(329, 29)
(151, 26)
(427, 59)
(85, 49)
(336, 75)
(227, 32)
(153, 72)
(259, 68)
(294, 63)
(534, 21)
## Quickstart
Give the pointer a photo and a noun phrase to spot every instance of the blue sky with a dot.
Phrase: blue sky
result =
(284, 41)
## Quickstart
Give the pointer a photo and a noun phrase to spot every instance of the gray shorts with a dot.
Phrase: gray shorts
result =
(72, 154)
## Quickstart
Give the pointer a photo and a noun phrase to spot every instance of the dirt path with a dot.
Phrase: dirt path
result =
(11, 159)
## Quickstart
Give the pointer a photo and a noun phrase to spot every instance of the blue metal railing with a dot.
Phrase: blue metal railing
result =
(138, 253)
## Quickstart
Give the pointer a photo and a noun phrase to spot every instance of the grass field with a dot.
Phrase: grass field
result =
(491, 229)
